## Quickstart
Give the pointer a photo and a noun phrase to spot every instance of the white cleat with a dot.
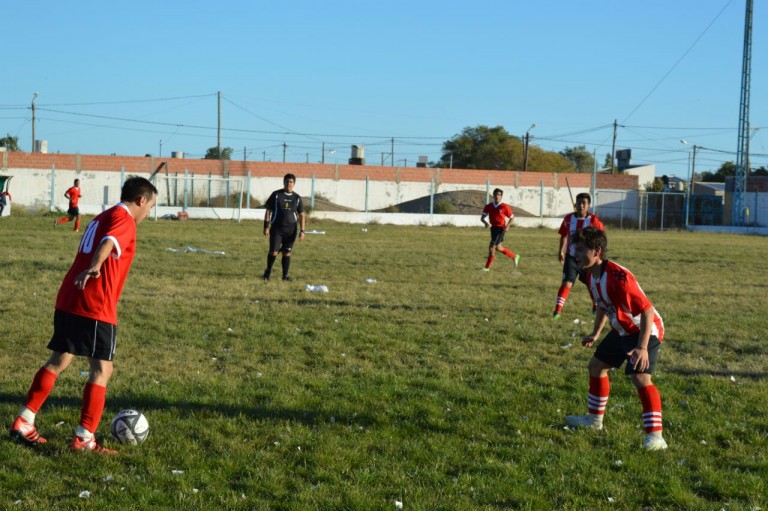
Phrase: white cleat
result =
(654, 443)
(583, 421)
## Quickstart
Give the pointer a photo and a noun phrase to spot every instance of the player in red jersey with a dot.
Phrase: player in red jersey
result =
(501, 217)
(637, 332)
(85, 319)
(572, 223)
(73, 213)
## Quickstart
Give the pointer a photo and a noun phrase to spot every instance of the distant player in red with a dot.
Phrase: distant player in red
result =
(572, 223)
(85, 319)
(73, 213)
(500, 216)
(637, 332)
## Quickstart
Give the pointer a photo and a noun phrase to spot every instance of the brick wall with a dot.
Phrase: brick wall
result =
(146, 165)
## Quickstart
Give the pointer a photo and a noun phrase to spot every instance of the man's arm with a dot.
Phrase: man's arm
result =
(482, 219)
(561, 250)
(600, 319)
(267, 221)
(94, 270)
(302, 223)
(638, 356)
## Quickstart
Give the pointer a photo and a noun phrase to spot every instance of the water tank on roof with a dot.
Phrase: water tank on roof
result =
(358, 155)
(177, 154)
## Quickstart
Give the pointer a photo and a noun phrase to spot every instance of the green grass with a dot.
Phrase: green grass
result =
(439, 386)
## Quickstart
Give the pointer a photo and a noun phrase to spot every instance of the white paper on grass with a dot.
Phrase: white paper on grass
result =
(317, 289)
(314, 232)
(195, 249)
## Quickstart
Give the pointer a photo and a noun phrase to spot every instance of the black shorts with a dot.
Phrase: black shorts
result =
(282, 239)
(73, 211)
(571, 270)
(497, 235)
(83, 336)
(614, 348)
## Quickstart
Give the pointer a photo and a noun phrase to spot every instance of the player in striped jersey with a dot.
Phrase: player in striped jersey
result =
(637, 332)
(572, 223)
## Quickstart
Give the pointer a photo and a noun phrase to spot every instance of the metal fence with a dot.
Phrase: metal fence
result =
(657, 210)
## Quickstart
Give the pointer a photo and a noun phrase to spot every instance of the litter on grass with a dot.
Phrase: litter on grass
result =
(371, 281)
(314, 232)
(316, 289)
(195, 249)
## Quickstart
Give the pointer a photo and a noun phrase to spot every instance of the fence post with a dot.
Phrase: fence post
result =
(186, 190)
(226, 196)
(541, 203)
(487, 191)
(53, 187)
(312, 193)
(431, 196)
(208, 204)
(122, 176)
(663, 197)
(248, 190)
(366, 194)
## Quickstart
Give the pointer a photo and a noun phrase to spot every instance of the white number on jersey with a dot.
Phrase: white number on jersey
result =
(86, 244)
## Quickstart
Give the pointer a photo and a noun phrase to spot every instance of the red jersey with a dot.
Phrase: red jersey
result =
(99, 298)
(618, 294)
(498, 213)
(572, 224)
(74, 196)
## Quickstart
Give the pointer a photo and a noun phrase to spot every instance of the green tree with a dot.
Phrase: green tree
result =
(581, 159)
(10, 143)
(727, 169)
(483, 147)
(213, 153)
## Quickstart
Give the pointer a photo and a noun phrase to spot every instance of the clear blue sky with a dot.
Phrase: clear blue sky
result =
(122, 77)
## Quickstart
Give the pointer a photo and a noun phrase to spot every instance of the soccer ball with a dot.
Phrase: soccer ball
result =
(130, 427)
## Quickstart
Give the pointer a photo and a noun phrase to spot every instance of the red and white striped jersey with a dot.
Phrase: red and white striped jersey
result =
(620, 297)
(572, 224)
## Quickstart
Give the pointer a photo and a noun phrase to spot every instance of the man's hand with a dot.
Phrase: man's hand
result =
(81, 279)
(638, 358)
(589, 340)
(266, 231)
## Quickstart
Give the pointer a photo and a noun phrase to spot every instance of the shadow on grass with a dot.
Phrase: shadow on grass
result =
(146, 404)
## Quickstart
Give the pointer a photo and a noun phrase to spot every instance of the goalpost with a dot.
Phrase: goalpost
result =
(203, 196)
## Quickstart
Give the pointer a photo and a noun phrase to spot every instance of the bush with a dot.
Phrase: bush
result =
(443, 207)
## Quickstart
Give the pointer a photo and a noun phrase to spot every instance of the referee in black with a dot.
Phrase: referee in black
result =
(284, 219)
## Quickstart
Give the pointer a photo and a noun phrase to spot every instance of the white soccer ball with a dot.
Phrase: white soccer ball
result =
(130, 427)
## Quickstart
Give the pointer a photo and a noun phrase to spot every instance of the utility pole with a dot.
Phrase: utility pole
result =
(34, 96)
(322, 158)
(525, 147)
(392, 153)
(218, 137)
(284, 146)
(613, 147)
(263, 156)
(243, 153)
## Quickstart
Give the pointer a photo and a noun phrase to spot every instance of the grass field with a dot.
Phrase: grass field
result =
(438, 387)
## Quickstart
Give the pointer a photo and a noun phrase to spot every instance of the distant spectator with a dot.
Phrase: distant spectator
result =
(5, 198)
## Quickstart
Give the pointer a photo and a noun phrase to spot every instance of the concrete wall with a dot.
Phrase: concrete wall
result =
(40, 181)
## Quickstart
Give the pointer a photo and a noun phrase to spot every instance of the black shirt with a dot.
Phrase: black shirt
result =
(285, 208)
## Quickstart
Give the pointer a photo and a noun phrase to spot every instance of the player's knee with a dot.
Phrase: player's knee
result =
(640, 380)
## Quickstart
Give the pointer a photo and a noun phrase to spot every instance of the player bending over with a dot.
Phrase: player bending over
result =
(635, 337)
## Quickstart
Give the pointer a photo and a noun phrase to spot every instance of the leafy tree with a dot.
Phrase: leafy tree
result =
(213, 153)
(608, 162)
(10, 143)
(482, 147)
(582, 160)
(727, 169)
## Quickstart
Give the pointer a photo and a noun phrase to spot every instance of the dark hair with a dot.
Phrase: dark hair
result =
(289, 176)
(592, 238)
(584, 195)
(498, 190)
(135, 187)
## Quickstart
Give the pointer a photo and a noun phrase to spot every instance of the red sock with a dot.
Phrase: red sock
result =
(562, 296)
(94, 397)
(651, 400)
(507, 252)
(599, 389)
(41, 387)
(489, 262)
(77, 224)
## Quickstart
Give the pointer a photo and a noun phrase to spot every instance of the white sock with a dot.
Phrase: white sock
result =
(28, 415)
(83, 433)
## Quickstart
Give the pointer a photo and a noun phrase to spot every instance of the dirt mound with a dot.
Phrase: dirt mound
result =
(466, 202)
